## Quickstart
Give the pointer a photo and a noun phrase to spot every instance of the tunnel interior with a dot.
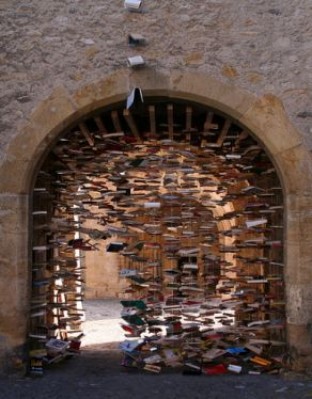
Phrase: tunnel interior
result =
(181, 209)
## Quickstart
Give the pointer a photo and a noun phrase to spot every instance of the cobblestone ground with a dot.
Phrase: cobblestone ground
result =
(96, 373)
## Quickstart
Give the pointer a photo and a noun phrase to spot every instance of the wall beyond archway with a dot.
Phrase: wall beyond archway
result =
(264, 117)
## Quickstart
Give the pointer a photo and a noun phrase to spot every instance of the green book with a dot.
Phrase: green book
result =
(133, 304)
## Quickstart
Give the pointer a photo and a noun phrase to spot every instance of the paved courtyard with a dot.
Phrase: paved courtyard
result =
(96, 373)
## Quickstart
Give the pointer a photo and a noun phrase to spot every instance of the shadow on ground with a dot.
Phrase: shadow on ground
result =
(97, 373)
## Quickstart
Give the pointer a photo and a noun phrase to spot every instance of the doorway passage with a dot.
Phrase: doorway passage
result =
(177, 211)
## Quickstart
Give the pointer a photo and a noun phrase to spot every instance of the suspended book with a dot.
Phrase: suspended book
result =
(189, 233)
(171, 219)
(190, 266)
(136, 279)
(41, 247)
(123, 190)
(153, 230)
(172, 272)
(173, 286)
(38, 336)
(138, 245)
(128, 273)
(274, 243)
(136, 223)
(154, 245)
(252, 190)
(274, 263)
(169, 197)
(153, 263)
(134, 319)
(277, 207)
(135, 97)
(42, 282)
(40, 190)
(272, 277)
(39, 313)
(133, 5)
(133, 303)
(136, 162)
(135, 39)
(257, 281)
(256, 222)
(258, 323)
(129, 252)
(115, 246)
(267, 211)
(233, 156)
(132, 331)
(152, 205)
(116, 229)
(135, 61)
(259, 240)
(37, 213)
(188, 251)
(130, 311)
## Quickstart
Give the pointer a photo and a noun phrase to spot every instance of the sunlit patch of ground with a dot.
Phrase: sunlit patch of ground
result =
(102, 325)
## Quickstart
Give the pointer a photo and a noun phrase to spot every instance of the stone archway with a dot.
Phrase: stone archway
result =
(265, 117)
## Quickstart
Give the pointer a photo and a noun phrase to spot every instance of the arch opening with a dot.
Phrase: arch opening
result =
(181, 210)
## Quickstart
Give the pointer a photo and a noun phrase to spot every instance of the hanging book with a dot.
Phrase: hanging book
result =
(256, 222)
(115, 246)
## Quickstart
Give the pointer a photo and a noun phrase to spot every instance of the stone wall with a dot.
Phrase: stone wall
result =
(260, 46)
